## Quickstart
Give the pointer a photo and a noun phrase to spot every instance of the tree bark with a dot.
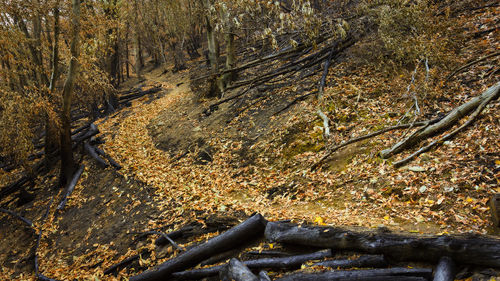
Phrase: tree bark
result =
(237, 271)
(476, 250)
(445, 270)
(249, 229)
(68, 165)
(389, 274)
(291, 262)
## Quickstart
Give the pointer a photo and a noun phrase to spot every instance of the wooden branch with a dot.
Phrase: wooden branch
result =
(445, 270)
(124, 263)
(475, 250)
(237, 271)
(93, 130)
(17, 216)
(326, 132)
(470, 64)
(446, 137)
(325, 74)
(249, 229)
(92, 153)
(263, 276)
(213, 106)
(168, 238)
(133, 96)
(173, 235)
(291, 262)
(371, 135)
(294, 101)
(111, 161)
(448, 121)
(371, 261)
(396, 273)
(71, 187)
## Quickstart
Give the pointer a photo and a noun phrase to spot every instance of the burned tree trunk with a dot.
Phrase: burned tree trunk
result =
(473, 250)
(249, 229)
(68, 165)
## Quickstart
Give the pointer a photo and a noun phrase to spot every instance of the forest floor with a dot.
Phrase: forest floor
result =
(181, 167)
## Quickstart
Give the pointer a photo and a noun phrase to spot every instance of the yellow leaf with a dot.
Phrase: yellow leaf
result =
(271, 246)
(319, 220)
(386, 218)
(497, 162)
(469, 199)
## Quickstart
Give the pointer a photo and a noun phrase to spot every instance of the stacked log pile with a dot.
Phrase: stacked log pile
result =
(380, 255)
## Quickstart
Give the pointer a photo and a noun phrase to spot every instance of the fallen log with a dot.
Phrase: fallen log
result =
(396, 273)
(371, 261)
(474, 250)
(292, 262)
(92, 131)
(249, 229)
(445, 270)
(92, 153)
(470, 64)
(371, 135)
(160, 241)
(124, 263)
(133, 96)
(325, 74)
(237, 271)
(448, 121)
(111, 161)
(17, 216)
(263, 276)
(448, 136)
(221, 257)
(71, 187)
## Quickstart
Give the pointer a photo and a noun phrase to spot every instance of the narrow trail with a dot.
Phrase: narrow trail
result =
(183, 186)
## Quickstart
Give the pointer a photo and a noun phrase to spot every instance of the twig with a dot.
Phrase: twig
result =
(325, 73)
(124, 262)
(379, 132)
(470, 64)
(16, 215)
(448, 136)
(166, 237)
(297, 99)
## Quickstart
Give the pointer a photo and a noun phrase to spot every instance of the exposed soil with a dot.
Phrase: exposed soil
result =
(184, 167)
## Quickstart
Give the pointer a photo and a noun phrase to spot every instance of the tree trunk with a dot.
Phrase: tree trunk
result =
(137, 41)
(213, 44)
(230, 76)
(51, 134)
(68, 165)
